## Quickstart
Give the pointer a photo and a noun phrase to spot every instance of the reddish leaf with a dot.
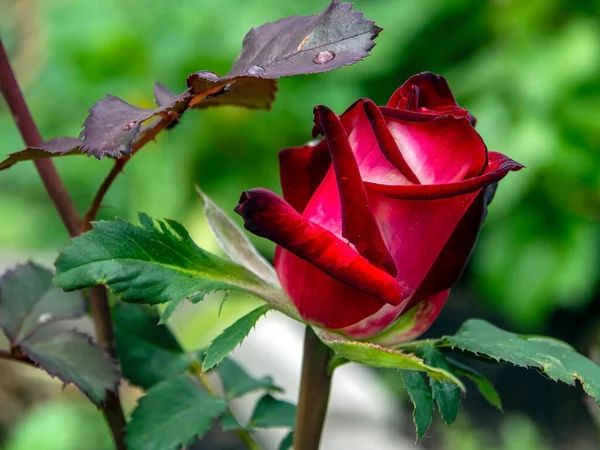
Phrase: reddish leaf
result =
(49, 149)
(114, 124)
(295, 45)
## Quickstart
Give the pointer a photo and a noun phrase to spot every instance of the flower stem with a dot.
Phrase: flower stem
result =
(9, 87)
(315, 385)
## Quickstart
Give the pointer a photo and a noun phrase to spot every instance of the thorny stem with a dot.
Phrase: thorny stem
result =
(112, 409)
(244, 436)
(315, 385)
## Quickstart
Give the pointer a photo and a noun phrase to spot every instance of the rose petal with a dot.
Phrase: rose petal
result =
(319, 298)
(498, 167)
(444, 150)
(386, 142)
(433, 92)
(301, 171)
(268, 215)
(359, 225)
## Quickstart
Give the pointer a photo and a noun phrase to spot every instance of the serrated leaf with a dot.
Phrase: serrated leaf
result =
(231, 337)
(245, 90)
(148, 352)
(554, 358)
(297, 45)
(28, 299)
(113, 124)
(171, 415)
(72, 357)
(236, 382)
(287, 442)
(49, 149)
(271, 412)
(234, 242)
(376, 356)
(484, 386)
(447, 396)
(421, 398)
(153, 263)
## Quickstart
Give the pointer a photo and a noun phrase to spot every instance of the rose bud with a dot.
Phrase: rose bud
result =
(378, 219)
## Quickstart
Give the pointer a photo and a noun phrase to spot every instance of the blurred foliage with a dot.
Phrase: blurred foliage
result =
(528, 70)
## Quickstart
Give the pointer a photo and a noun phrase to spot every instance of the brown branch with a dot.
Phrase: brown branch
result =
(10, 356)
(112, 410)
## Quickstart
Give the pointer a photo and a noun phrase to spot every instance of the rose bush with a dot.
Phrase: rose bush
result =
(378, 219)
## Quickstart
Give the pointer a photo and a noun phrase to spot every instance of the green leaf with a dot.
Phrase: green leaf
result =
(484, 386)
(28, 299)
(376, 356)
(234, 243)
(171, 415)
(447, 396)
(229, 423)
(154, 263)
(236, 382)
(287, 442)
(148, 352)
(231, 337)
(72, 357)
(270, 413)
(422, 399)
(556, 359)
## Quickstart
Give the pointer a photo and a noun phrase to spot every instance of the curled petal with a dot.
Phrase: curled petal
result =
(387, 144)
(431, 92)
(268, 215)
(498, 166)
(301, 171)
(359, 225)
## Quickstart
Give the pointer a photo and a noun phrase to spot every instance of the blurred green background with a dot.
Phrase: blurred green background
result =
(528, 70)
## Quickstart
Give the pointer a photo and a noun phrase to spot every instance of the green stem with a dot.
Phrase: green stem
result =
(315, 386)
(112, 410)
(416, 345)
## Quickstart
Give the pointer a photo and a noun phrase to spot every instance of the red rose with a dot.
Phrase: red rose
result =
(379, 218)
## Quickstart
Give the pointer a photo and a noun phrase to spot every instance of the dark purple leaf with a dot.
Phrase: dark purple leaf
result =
(307, 44)
(114, 124)
(163, 95)
(248, 91)
(295, 45)
(49, 149)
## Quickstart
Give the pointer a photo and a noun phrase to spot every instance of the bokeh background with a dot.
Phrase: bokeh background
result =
(528, 70)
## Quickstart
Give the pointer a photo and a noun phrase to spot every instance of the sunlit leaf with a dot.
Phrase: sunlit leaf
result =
(153, 263)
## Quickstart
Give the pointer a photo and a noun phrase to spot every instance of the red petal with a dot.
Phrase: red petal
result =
(444, 150)
(319, 298)
(359, 225)
(268, 215)
(387, 144)
(433, 92)
(302, 169)
(498, 166)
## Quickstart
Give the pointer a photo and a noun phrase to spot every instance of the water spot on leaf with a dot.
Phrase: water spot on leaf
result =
(324, 57)
(255, 70)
